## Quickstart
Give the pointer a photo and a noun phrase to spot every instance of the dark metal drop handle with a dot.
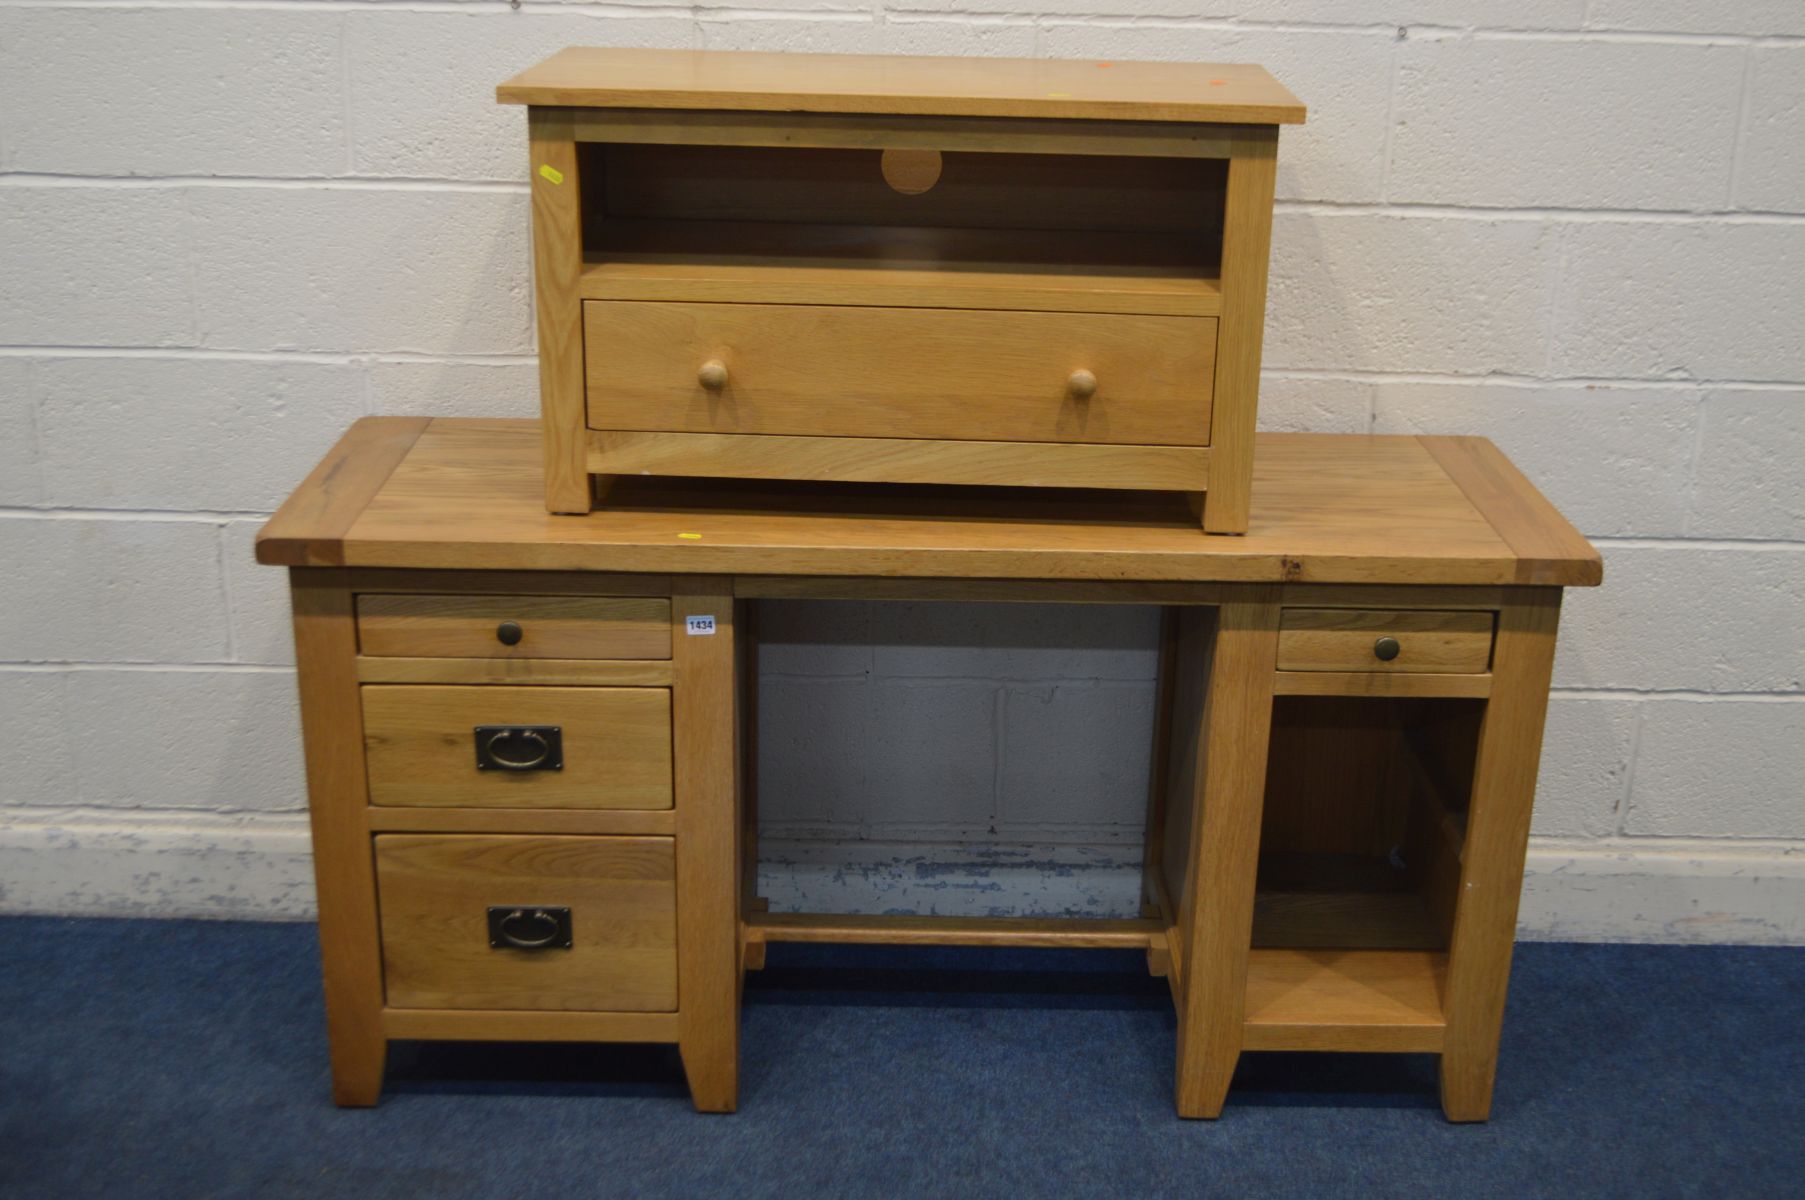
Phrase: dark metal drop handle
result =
(529, 928)
(519, 748)
(531, 738)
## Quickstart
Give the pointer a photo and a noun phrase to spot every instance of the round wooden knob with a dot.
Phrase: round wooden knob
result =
(713, 375)
(1386, 649)
(1082, 384)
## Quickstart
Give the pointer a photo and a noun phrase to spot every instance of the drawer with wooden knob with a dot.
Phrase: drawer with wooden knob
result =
(528, 922)
(518, 747)
(1337, 639)
(870, 372)
(479, 626)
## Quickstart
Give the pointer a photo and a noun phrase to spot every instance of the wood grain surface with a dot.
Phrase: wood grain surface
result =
(1328, 508)
(460, 626)
(436, 890)
(422, 748)
(587, 76)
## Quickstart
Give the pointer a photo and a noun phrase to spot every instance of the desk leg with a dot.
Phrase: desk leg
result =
(350, 946)
(705, 742)
(1491, 879)
(1219, 769)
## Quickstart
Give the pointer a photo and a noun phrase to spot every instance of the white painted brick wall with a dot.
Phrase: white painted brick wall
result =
(1574, 226)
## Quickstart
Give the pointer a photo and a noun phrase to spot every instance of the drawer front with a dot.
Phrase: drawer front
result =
(1339, 639)
(603, 747)
(435, 893)
(899, 372)
(513, 627)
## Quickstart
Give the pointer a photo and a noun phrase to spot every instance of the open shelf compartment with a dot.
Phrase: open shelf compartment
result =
(1083, 233)
(1361, 842)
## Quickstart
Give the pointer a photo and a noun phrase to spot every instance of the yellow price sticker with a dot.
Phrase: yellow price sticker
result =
(690, 537)
(550, 173)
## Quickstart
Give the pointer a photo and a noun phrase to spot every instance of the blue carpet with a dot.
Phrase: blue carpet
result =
(183, 1058)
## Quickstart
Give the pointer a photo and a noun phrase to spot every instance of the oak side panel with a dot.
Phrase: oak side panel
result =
(1246, 249)
(705, 730)
(557, 267)
(1185, 656)
(1217, 920)
(344, 874)
(1157, 899)
(1485, 915)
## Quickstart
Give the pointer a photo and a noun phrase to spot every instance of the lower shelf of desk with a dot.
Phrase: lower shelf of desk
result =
(1347, 1000)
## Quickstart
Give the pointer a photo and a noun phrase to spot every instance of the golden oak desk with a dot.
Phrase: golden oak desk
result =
(1351, 707)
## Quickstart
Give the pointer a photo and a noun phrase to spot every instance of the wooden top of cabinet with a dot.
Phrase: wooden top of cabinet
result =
(593, 77)
(453, 493)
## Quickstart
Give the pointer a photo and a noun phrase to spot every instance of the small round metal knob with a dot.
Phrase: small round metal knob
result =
(1082, 384)
(1386, 649)
(713, 375)
(509, 633)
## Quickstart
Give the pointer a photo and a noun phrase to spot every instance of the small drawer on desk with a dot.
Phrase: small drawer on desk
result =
(955, 374)
(513, 626)
(1342, 639)
(501, 922)
(518, 747)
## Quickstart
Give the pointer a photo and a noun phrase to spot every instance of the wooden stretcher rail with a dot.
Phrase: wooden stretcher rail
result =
(1090, 933)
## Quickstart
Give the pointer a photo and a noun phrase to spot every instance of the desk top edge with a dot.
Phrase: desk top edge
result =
(409, 492)
(915, 85)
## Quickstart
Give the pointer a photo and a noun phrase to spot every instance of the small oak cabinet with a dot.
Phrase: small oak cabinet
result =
(901, 270)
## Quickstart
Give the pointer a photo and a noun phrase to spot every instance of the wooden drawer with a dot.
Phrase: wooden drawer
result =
(1340, 639)
(899, 372)
(434, 892)
(548, 626)
(421, 746)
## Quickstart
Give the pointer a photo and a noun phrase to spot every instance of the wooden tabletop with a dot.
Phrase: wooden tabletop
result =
(593, 77)
(1327, 508)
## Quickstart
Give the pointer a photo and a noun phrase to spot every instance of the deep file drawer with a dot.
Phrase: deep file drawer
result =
(518, 747)
(516, 922)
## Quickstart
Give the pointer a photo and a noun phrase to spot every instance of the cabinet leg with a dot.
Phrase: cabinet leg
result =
(1203, 1073)
(359, 1058)
(1222, 714)
(1491, 877)
(1466, 1086)
(557, 264)
(713, 1069)
(350, 946)
(705, 736)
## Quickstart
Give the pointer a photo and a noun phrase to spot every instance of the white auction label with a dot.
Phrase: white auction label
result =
(700, 626)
